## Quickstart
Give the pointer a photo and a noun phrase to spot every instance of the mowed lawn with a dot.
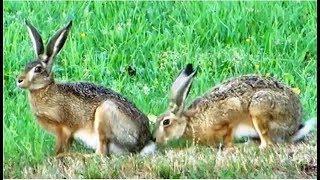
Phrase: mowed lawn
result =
(137, 49)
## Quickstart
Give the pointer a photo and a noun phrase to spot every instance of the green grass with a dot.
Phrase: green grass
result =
(157, 39)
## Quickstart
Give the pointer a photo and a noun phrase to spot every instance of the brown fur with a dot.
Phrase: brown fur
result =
(262, 103)
(65, 109)
(243, 99)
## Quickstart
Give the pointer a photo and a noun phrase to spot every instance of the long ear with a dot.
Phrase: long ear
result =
(181, 88)
(35, 38)
(56, 43)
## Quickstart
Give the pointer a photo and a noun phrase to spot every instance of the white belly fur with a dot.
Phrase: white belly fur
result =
(244, 130)
(116, 149)
(88, 138)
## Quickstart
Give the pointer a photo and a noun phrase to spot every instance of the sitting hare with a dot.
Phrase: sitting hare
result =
(250, 106)
(98, 117)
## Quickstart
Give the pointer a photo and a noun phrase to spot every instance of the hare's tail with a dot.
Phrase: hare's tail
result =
(149, 149)
(304, 129)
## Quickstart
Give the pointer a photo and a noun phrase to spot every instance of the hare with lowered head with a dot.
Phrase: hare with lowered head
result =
(98, 117)
(253, 106)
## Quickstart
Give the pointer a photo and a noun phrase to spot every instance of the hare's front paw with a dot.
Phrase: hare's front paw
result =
(101, 149)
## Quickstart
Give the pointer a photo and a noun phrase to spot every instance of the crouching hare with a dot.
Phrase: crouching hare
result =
(98, 117)
(253, 106)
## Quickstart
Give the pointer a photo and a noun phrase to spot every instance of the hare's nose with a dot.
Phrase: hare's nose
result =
(20, 81)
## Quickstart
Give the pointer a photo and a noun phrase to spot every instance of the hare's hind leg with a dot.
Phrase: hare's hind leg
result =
(101, 125)
(261, 106)
(107, 120)
(263, 130)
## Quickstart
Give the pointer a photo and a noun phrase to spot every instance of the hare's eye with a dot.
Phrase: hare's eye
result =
(38, 69)
(166, 122)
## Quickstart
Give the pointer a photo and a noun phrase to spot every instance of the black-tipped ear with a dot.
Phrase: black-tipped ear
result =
(57, 41)
(35, 38)
(181, 88)
(189, 69)
(55, 45)
(194, 73)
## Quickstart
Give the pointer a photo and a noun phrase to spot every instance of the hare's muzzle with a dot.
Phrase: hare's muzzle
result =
(158, 139)
(20, 81)
(154, 138)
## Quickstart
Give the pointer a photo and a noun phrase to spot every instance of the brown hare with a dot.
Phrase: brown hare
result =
(98, 117)
(252, 106)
